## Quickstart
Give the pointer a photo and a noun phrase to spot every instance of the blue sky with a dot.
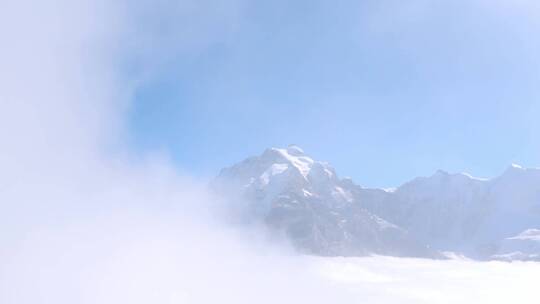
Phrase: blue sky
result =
(383, 90)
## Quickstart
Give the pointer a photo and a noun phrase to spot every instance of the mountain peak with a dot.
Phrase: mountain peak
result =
(291, 155)
(305, 199)
(462, 175)
(441, 173)
(515, 167)
(295, 150)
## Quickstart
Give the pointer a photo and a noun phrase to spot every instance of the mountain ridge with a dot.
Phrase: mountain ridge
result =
(327, 215)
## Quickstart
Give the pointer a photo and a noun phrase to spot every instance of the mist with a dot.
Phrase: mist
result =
(83, 219)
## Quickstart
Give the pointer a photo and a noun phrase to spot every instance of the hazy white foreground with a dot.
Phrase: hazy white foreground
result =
(401, 280)
(380, 280)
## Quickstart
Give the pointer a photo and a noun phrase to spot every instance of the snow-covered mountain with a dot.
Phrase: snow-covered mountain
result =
(456, 212)
(323, 214)
(307, 201)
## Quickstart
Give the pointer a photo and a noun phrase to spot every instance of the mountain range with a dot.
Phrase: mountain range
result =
(434, 217)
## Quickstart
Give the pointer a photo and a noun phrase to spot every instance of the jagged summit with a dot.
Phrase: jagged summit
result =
(319, 212)
(514, 169)
(295, 150)
(516, 166)
(291, 156)
(461, 175)
(518, 169)
(289, 170)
